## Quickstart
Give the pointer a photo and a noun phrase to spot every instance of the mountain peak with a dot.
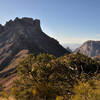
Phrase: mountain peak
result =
(26, 34)
(27, 20)
(23, 21)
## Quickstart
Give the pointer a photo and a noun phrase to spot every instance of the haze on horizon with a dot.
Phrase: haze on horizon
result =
(69, 21)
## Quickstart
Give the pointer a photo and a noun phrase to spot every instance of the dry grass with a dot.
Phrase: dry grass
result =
(10, 98)
(87, 90)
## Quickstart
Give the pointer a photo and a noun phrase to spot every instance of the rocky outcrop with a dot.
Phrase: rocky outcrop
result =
(89, 48)
(25, 34)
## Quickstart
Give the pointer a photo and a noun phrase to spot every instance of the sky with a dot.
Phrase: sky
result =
(68, 21)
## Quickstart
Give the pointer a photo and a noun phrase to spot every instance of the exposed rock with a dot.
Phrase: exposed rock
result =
(1, 28)
(27, 34)
(89, 48)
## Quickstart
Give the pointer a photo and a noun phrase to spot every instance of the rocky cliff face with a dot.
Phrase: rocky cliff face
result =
(89, 48)
(25, 34)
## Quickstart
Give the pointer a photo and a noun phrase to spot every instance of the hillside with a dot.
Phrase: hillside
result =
(20, 37)
(45, 77)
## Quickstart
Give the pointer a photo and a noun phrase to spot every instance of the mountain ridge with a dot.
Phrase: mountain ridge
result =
(26, 33)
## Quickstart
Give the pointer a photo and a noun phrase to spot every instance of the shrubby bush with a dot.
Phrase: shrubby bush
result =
(87, 90)
(45, 77)
(80, 63)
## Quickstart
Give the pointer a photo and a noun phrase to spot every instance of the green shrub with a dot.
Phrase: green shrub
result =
(49, 78)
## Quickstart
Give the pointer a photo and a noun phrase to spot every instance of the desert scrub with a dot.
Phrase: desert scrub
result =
(87, 90)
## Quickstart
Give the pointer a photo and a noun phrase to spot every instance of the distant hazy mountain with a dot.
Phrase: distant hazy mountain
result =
(89, 48)
(72, 46)
(68, 49)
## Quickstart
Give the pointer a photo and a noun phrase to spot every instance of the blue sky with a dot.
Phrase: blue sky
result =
(69, 21)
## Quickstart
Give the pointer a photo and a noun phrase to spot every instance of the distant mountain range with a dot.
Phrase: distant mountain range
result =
(90, 48)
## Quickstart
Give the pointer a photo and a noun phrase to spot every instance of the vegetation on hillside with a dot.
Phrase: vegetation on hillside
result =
(87, 90)
(45, 77)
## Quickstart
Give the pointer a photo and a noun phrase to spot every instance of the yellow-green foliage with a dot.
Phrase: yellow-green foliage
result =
(49, 78)
(4, 94)
(87, 90)
(59, 98)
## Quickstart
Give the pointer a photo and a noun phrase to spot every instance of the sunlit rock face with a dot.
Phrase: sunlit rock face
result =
(89, 48)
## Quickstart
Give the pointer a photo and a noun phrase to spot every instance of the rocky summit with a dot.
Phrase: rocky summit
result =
(25, 34)
(89, 48)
